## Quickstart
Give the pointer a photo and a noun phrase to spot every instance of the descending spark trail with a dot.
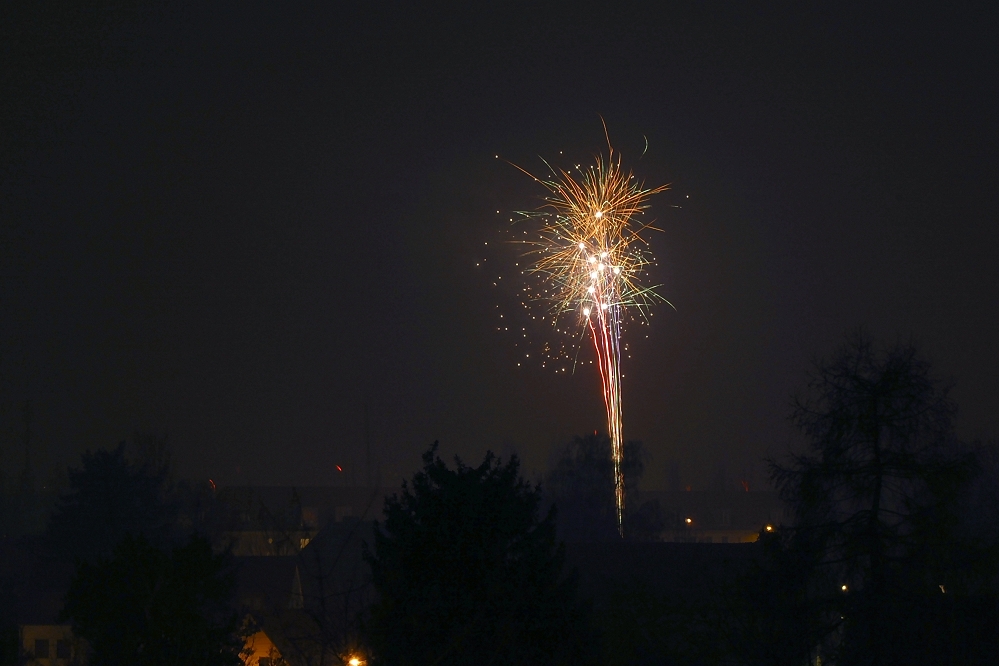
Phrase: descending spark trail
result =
(591, 254)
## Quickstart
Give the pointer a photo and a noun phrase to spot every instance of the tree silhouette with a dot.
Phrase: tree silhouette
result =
(876, 497)
(581, 484)
(110, 497)
(147, 605)
(467, 573)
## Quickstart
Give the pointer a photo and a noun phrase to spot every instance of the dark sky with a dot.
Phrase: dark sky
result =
(239, 224)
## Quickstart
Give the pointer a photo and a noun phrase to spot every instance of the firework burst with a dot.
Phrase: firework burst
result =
(590, 252)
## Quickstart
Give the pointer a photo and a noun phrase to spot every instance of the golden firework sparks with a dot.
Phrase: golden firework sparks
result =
(591, 254)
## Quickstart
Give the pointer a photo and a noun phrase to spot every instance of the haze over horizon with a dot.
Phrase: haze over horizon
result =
(238, 225)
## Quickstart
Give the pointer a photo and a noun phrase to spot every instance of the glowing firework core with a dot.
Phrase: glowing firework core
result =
(589, 216)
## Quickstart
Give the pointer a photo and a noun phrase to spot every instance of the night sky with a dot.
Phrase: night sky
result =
(238, 225)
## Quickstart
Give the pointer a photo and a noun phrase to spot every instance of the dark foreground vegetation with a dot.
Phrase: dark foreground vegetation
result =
(890, 555)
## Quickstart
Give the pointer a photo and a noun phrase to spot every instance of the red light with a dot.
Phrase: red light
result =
(339, 469)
